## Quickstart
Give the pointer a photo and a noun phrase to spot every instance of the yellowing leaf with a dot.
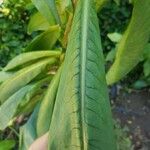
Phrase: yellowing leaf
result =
(30, 57)
(37, 22)
(45, 40)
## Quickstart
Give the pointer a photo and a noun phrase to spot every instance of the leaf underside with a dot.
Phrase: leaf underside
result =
(82, 119)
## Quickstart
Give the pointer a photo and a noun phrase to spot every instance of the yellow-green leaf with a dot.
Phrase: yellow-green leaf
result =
(131, 47)
(5, 75)
(37, 22)
(48, 9)
(7, 144)
(24, 58)
(23, 77)
(45, 40)
(47, 105)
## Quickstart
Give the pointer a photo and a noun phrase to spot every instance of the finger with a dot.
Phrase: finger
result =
(40, 144)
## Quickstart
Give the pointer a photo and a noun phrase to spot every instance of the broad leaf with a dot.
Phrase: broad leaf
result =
(23, 77)
(37, 22)
(30, 57)
(48, 9)
(131, 46)
(45, 40)
(7, 144)
(47, 105)
(81, 118)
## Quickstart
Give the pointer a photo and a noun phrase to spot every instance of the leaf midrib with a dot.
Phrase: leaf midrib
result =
(84, 37)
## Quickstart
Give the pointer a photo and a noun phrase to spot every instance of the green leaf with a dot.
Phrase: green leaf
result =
(48, 9)
(7, 144)
(117, 2)
(65, 9)
(5, 75)
(131, 1)
(10, 108)
(81, 118)
(23, 77)
(28, 131)
(47, 105)
(111, 55)
(37, 22)
(29, 107)
(147, 68)
(131, 47)
(33, 96)
(139, 84)
(114, 37)
(100, 4)
(24, 58)
(45, 40)
(147, 52)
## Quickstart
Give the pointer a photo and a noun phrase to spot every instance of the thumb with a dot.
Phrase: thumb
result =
(41, 143)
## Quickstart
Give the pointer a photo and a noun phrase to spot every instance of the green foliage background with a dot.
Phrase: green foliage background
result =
(14, 16)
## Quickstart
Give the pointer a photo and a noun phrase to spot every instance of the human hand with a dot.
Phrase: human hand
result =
(41, 143)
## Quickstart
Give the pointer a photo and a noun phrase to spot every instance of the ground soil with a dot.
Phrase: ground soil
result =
(133, 110)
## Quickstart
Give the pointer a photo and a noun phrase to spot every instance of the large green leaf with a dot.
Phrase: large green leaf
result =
(81, 118)
(37, 22)
(45, 40)
(48, 9)
(131, 46)
(29, 57)
(23, 77)
(47, 105)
